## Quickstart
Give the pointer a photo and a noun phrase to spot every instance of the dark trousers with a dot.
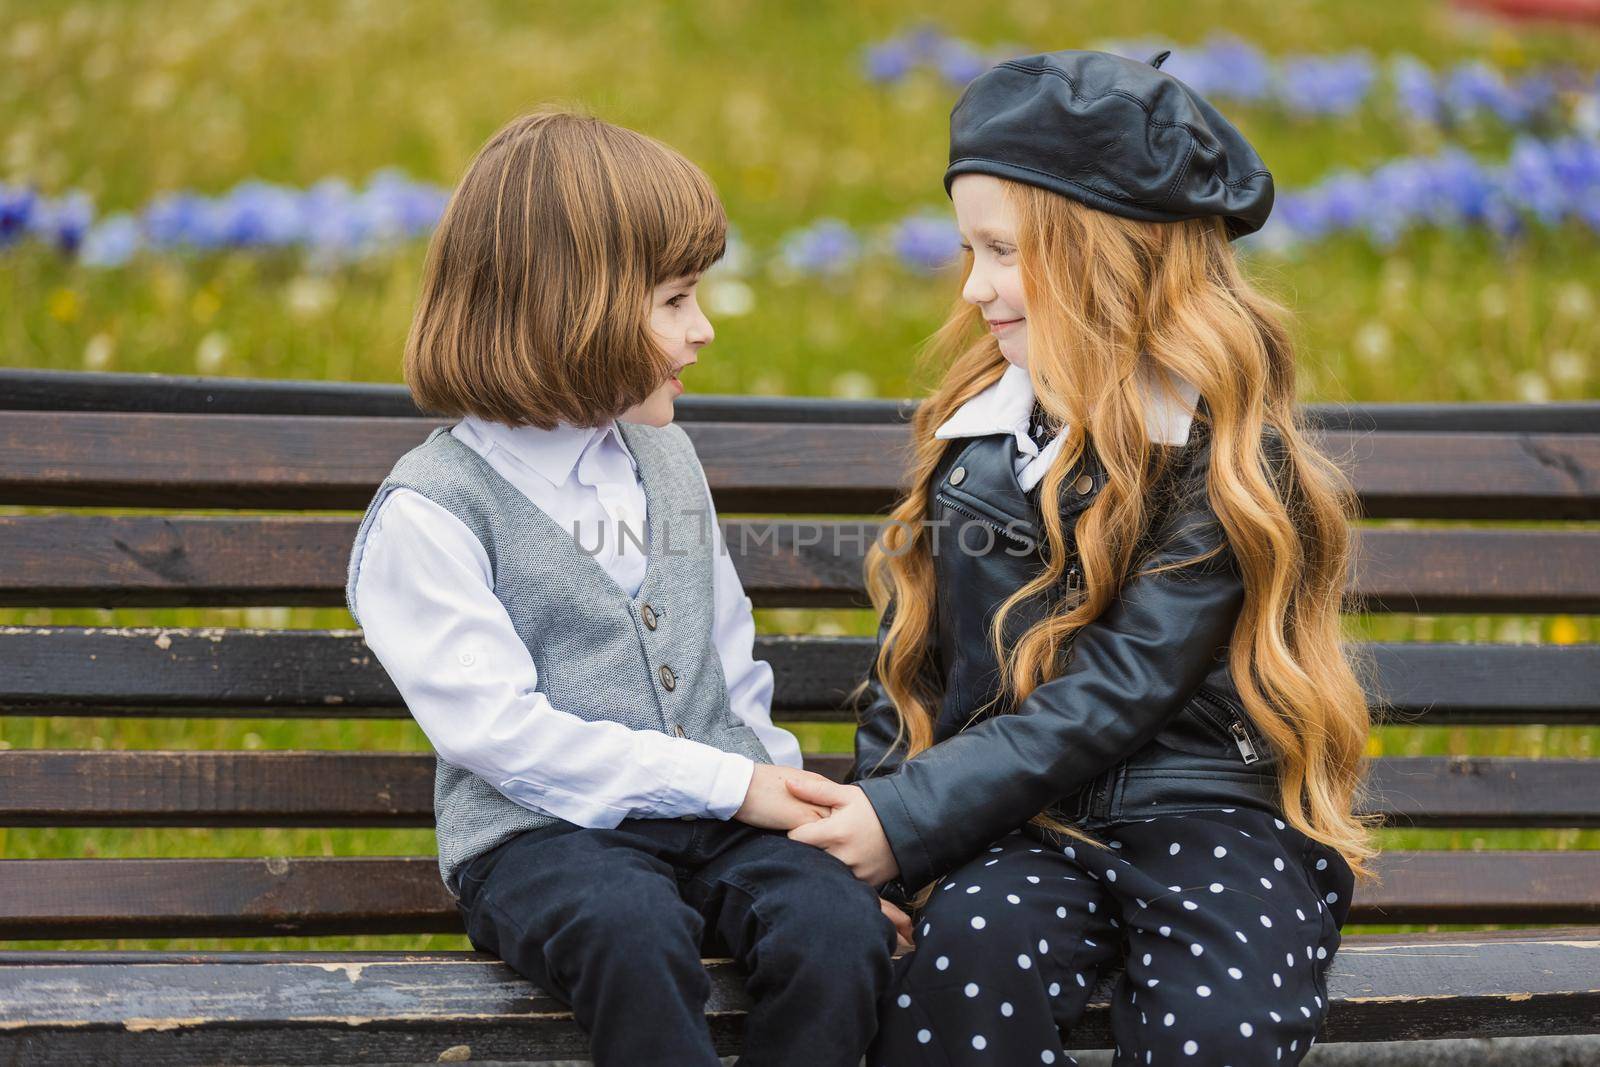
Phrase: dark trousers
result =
(613, 923)
(1224, 923)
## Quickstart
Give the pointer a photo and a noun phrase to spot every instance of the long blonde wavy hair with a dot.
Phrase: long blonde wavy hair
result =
(1110, 302)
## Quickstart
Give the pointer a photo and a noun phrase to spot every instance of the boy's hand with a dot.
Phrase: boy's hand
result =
(769, 805)
(902, 925)
(851, 833)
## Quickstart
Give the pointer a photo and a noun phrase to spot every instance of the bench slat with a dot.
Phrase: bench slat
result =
(126, 561)
(73, 898)
(372, 1007)
(286, 788)
(298, 462)
(323, 673)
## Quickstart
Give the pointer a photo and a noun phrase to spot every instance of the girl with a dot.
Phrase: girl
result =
(609, 778)
(1112, 723)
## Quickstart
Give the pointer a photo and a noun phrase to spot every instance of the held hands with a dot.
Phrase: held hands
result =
(851, 833)
(769, 806)
(902, 926)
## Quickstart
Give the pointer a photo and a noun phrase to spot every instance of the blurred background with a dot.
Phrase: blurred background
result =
(245, 189)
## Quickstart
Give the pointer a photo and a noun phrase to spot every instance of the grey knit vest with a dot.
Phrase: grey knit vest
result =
(647, 661)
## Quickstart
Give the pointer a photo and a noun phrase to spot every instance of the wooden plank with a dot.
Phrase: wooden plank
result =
(391, 1007)
(320, 673)
(301, 462)
(77, 898)
(52, 787)
(46, 390)
(126, 561)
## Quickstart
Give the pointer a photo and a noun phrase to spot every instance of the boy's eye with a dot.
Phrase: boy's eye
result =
(677, 301)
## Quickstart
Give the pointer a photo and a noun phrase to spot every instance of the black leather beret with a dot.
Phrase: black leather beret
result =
(1113, 133)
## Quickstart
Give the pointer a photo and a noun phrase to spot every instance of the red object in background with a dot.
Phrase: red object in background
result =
(1581, 11)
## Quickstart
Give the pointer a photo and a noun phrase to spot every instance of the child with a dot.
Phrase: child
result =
(1112, 720)
(609, 778)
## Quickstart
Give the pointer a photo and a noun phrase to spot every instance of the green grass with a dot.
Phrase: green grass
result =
(130, 100)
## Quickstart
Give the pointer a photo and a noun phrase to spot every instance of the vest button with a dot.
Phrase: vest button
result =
(958, 475)
(649, 614)
(1084, 484)
(669, 681)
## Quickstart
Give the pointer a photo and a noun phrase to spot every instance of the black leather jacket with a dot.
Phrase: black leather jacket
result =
(1144, 719)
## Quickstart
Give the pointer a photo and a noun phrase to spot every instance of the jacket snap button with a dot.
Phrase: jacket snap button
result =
(669, 681)
(958, 475)
(1083, 484)
(649, 614)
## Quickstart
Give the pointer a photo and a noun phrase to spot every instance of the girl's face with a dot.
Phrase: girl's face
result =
(989, 231)
(682, 330)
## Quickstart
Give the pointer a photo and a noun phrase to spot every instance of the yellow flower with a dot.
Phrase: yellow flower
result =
(63, 305)
(1563, 630)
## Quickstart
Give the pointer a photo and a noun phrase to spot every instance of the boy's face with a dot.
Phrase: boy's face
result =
(989, 231)
(682, 330)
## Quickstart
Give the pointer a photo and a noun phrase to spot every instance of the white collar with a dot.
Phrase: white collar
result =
(1007, 404)
(552, 453)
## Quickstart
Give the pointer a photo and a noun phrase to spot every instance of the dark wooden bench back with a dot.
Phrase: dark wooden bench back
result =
(275, 455)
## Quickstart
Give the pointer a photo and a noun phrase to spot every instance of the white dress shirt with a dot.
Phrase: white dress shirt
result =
(1007, 405)
(427, 605)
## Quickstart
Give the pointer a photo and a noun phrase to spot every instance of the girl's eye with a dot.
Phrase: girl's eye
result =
(1001, 250)
(677, 301)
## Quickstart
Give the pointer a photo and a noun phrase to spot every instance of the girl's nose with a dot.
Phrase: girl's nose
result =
(977, 290)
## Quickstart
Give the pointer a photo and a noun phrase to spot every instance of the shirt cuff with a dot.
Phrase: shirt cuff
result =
(729, 785)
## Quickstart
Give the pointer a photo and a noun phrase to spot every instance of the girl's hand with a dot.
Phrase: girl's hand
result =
(902, 925)
(852, 834)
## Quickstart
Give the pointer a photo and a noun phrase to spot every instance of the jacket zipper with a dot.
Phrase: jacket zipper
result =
(1235, 727)
(955, 505)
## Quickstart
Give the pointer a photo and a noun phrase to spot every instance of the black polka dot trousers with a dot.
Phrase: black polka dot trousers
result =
(1224, 920)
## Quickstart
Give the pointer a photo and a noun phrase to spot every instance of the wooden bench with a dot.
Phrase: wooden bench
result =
(167, 447)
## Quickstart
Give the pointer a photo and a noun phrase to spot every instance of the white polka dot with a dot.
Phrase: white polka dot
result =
(997, 848)
(979, 1042)
(973, 888)
(1246, 1029)
(1305, 1011)
(1266, 922)
(1024, 962)
(1190, 1048)
(1196, 949)
(1265, 884)
(971, 989)
(1174, 848)
(925, 928)
(1147, 959)
(1240, 935)
(1278, 823)
(1190, 905)
(1204, 990)
(1332, 898)
(1044, 947)
(1300, 914)
(1006, 1009)
(1081, 982)
(1071, 852)
(1308, 952)
(991, 863)
(1166, 931)
(1322, 953)
(942, 963)
(1061, 913)
(1288, 958)
(1275, 1016)
(1219, 852)
(1086, 941)
(1139, 902)
(903, 1000)
(1235, 973)
(1322, 865)
(1047, 1056)
(1055, 989)
(1151, 983)
(1118, 844)
(1168, 1019)
(924, 1036)
(1013, 898)
(1215, 887)
(1111, 876)
(1277, 979)
(978, 922)
(1033, 878)
(1091, 907)
(1278, 862)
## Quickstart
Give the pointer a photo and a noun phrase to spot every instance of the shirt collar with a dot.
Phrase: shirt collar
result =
(1007, 404)
(551, 453)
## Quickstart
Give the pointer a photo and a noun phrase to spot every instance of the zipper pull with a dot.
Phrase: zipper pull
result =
(1242, 739)
(1074, 578)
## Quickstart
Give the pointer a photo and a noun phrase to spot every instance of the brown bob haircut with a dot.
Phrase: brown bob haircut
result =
(535, 296)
